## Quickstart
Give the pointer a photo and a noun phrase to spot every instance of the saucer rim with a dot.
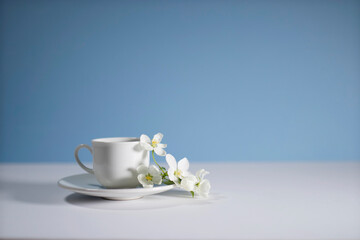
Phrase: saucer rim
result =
(112, 190)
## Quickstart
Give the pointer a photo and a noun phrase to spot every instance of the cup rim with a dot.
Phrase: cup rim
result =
(116, 140)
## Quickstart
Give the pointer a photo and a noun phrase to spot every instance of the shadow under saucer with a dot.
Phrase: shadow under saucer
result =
(169, 199)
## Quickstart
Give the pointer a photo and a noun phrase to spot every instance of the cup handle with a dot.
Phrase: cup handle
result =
(89, 170)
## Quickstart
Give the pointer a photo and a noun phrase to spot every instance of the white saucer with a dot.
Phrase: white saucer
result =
(88, 185)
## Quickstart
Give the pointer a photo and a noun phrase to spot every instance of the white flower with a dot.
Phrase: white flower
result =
(197, 183)
(202, 187)
(188, 183)
(154, 144)
(177, 171)
(148, 176)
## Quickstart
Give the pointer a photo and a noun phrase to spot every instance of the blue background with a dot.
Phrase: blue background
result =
(223, 80)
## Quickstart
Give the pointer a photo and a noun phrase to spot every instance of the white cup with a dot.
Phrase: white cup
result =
(115, 161)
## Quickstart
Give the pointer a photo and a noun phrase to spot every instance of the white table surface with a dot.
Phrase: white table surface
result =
(248, 201)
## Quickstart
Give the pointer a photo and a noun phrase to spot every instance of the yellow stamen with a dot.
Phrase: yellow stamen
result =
(154, 143)
(148, 177)
(177, 173)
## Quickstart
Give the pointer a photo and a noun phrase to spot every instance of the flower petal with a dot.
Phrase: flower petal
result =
(157, 179)
(142, 179)
(148, 185)
(171, 161)
(146, 146)
(162, 145)
(158, 137)
(159, 151)
(144, 182)
(154, 170)
(188, 183)
(204, 188)
(185, 174)
(145, 139)
(177, 182)
(172, 177)
(183, 165)
(201, 174)
(142, 169)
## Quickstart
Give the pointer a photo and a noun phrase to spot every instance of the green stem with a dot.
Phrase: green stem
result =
(153, 155)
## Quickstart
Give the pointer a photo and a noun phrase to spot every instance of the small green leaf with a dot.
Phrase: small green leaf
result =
(168, 182)
(192, 194)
